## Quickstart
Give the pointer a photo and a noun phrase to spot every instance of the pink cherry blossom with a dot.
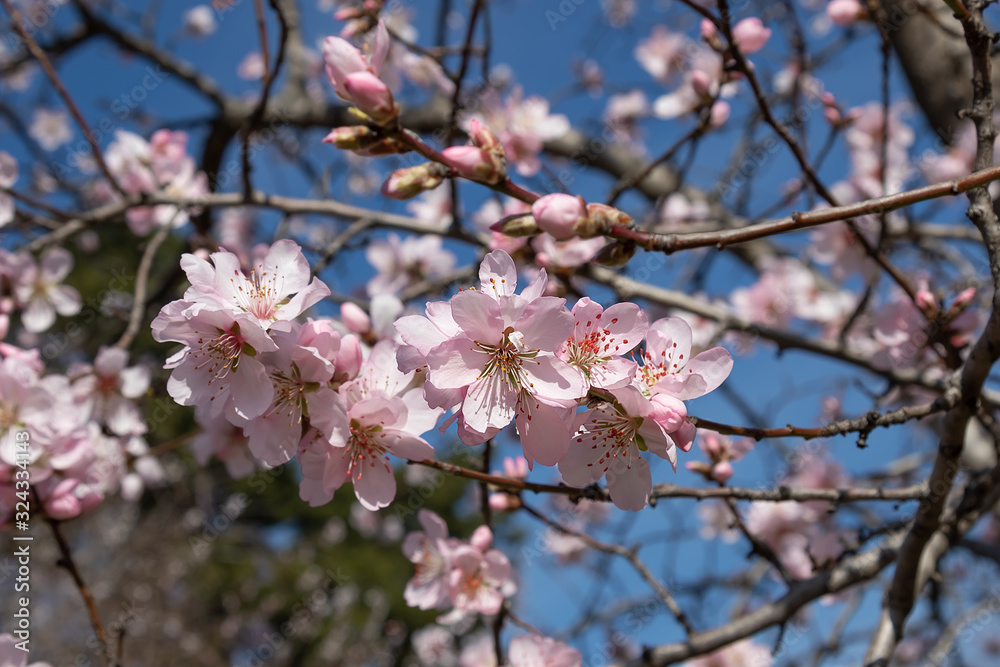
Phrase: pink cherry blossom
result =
(277, 289)
(668, 367)
(39, 292)
(218, 363)
(296, 372)
(662, 54)
(721, 451)
(480, 577)
(430, 552)
(845, 12)
(50, 128)
(109, 390)
(401, 262)
(609, 442)
(601, 339)
(538, 651)
(376, 414)
(523, 124)
(502, 359)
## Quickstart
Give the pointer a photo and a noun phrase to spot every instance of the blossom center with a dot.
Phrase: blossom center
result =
(257, 293)
(505, 359)
(221, 353)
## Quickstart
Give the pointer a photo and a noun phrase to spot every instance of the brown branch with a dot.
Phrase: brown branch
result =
(670, 243)
(782, 494)
(66, 561)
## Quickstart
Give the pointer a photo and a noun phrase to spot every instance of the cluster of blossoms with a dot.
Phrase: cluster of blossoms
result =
(496, 356)
(160, 164)
(462, 577)
(491, 355)
(78, 437)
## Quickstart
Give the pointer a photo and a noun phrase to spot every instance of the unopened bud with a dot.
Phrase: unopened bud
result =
(482, 137)
(352, 137)
(355, 319)
(964, 298)
(411, 181)
(617, 253)
(560, 215)
(518, 225)
(701, 83)
(373, 97)
(476, 164)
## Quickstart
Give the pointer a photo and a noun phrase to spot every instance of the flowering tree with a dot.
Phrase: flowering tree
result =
(259, 412)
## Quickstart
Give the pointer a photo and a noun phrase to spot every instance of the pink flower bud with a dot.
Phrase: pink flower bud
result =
(964, 298)
(719, 113)
(833, 115)
(559, 215)
(684, 436)
(482, 137)
(722, 471)
(925, 299)
(751, 35)
(348, 361)
(844, 12)
(668, 412)
(372, 96)
(708, 30)
(701, 83)
(341, 58)
(475, 164)
(482, 538)
(355, 319)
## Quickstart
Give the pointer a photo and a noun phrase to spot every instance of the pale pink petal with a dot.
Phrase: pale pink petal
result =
(478, 315)
(489, 403)
(498, 274)
(545, 436)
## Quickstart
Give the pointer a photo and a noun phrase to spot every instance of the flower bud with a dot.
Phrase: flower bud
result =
(751, 35)
(372, 96)
(355, 319)
(481, 538)
(701, 83)
(668, 412)
(352, 137)
(560, 215)
(720, 113)
(964, 298)
(616, 253)
(844, 12)
(411, 181)
(684, 436)
(722, 471)
(482, 137)
(516, 225)
(476, 164)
